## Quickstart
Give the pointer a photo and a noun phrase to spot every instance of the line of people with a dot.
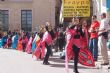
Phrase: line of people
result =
(78, 43)
(96, 43)
(34, 43)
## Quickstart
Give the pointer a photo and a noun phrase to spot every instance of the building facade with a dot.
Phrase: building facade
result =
(27, 15)
(100, 6)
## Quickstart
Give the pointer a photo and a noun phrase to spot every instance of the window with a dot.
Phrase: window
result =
(4, 17)
(26, 20)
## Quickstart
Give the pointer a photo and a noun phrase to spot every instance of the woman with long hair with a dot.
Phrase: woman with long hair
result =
(47, 41)
(74, 47)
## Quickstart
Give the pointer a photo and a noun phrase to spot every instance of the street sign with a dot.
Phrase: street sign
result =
(79, 8)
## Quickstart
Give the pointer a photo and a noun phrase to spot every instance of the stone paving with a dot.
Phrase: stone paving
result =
(12, 61)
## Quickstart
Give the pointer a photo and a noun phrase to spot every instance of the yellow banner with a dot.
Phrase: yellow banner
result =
(72, 8)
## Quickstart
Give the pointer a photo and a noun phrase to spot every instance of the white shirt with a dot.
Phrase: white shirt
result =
(104, 25)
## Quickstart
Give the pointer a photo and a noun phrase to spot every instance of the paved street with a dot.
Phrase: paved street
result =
(12, 61)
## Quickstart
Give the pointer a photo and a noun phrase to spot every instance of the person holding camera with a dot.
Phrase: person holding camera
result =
(102, 40)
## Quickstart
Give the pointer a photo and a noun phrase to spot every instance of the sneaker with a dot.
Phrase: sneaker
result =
(46, 63)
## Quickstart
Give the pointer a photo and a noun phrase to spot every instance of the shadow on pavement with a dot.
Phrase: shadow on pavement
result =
(60, 63)
(56, 59)
(70, 66)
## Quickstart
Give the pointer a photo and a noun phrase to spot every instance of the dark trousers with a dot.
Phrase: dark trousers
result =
(61, 44)
(24, 46)
(76, 54)
(47, 54)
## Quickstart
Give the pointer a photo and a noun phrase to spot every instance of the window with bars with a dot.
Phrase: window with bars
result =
(26, 20)
(4, 18)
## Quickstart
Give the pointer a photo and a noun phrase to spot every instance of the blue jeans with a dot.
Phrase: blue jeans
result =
(93, 47)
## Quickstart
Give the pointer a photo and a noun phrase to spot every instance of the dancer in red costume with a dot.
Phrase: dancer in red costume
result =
(85, 39)
(29, 46)
(19, 45)
(46, 42)
(75, 48)
(24, 42)
(38, 51)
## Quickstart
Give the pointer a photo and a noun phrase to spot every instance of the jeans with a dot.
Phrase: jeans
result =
(93, 47)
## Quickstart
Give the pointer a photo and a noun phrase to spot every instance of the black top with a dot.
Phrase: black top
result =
(78, 30)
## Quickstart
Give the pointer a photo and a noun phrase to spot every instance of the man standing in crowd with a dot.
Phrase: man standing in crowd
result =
(93, 44)
(102, 40)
